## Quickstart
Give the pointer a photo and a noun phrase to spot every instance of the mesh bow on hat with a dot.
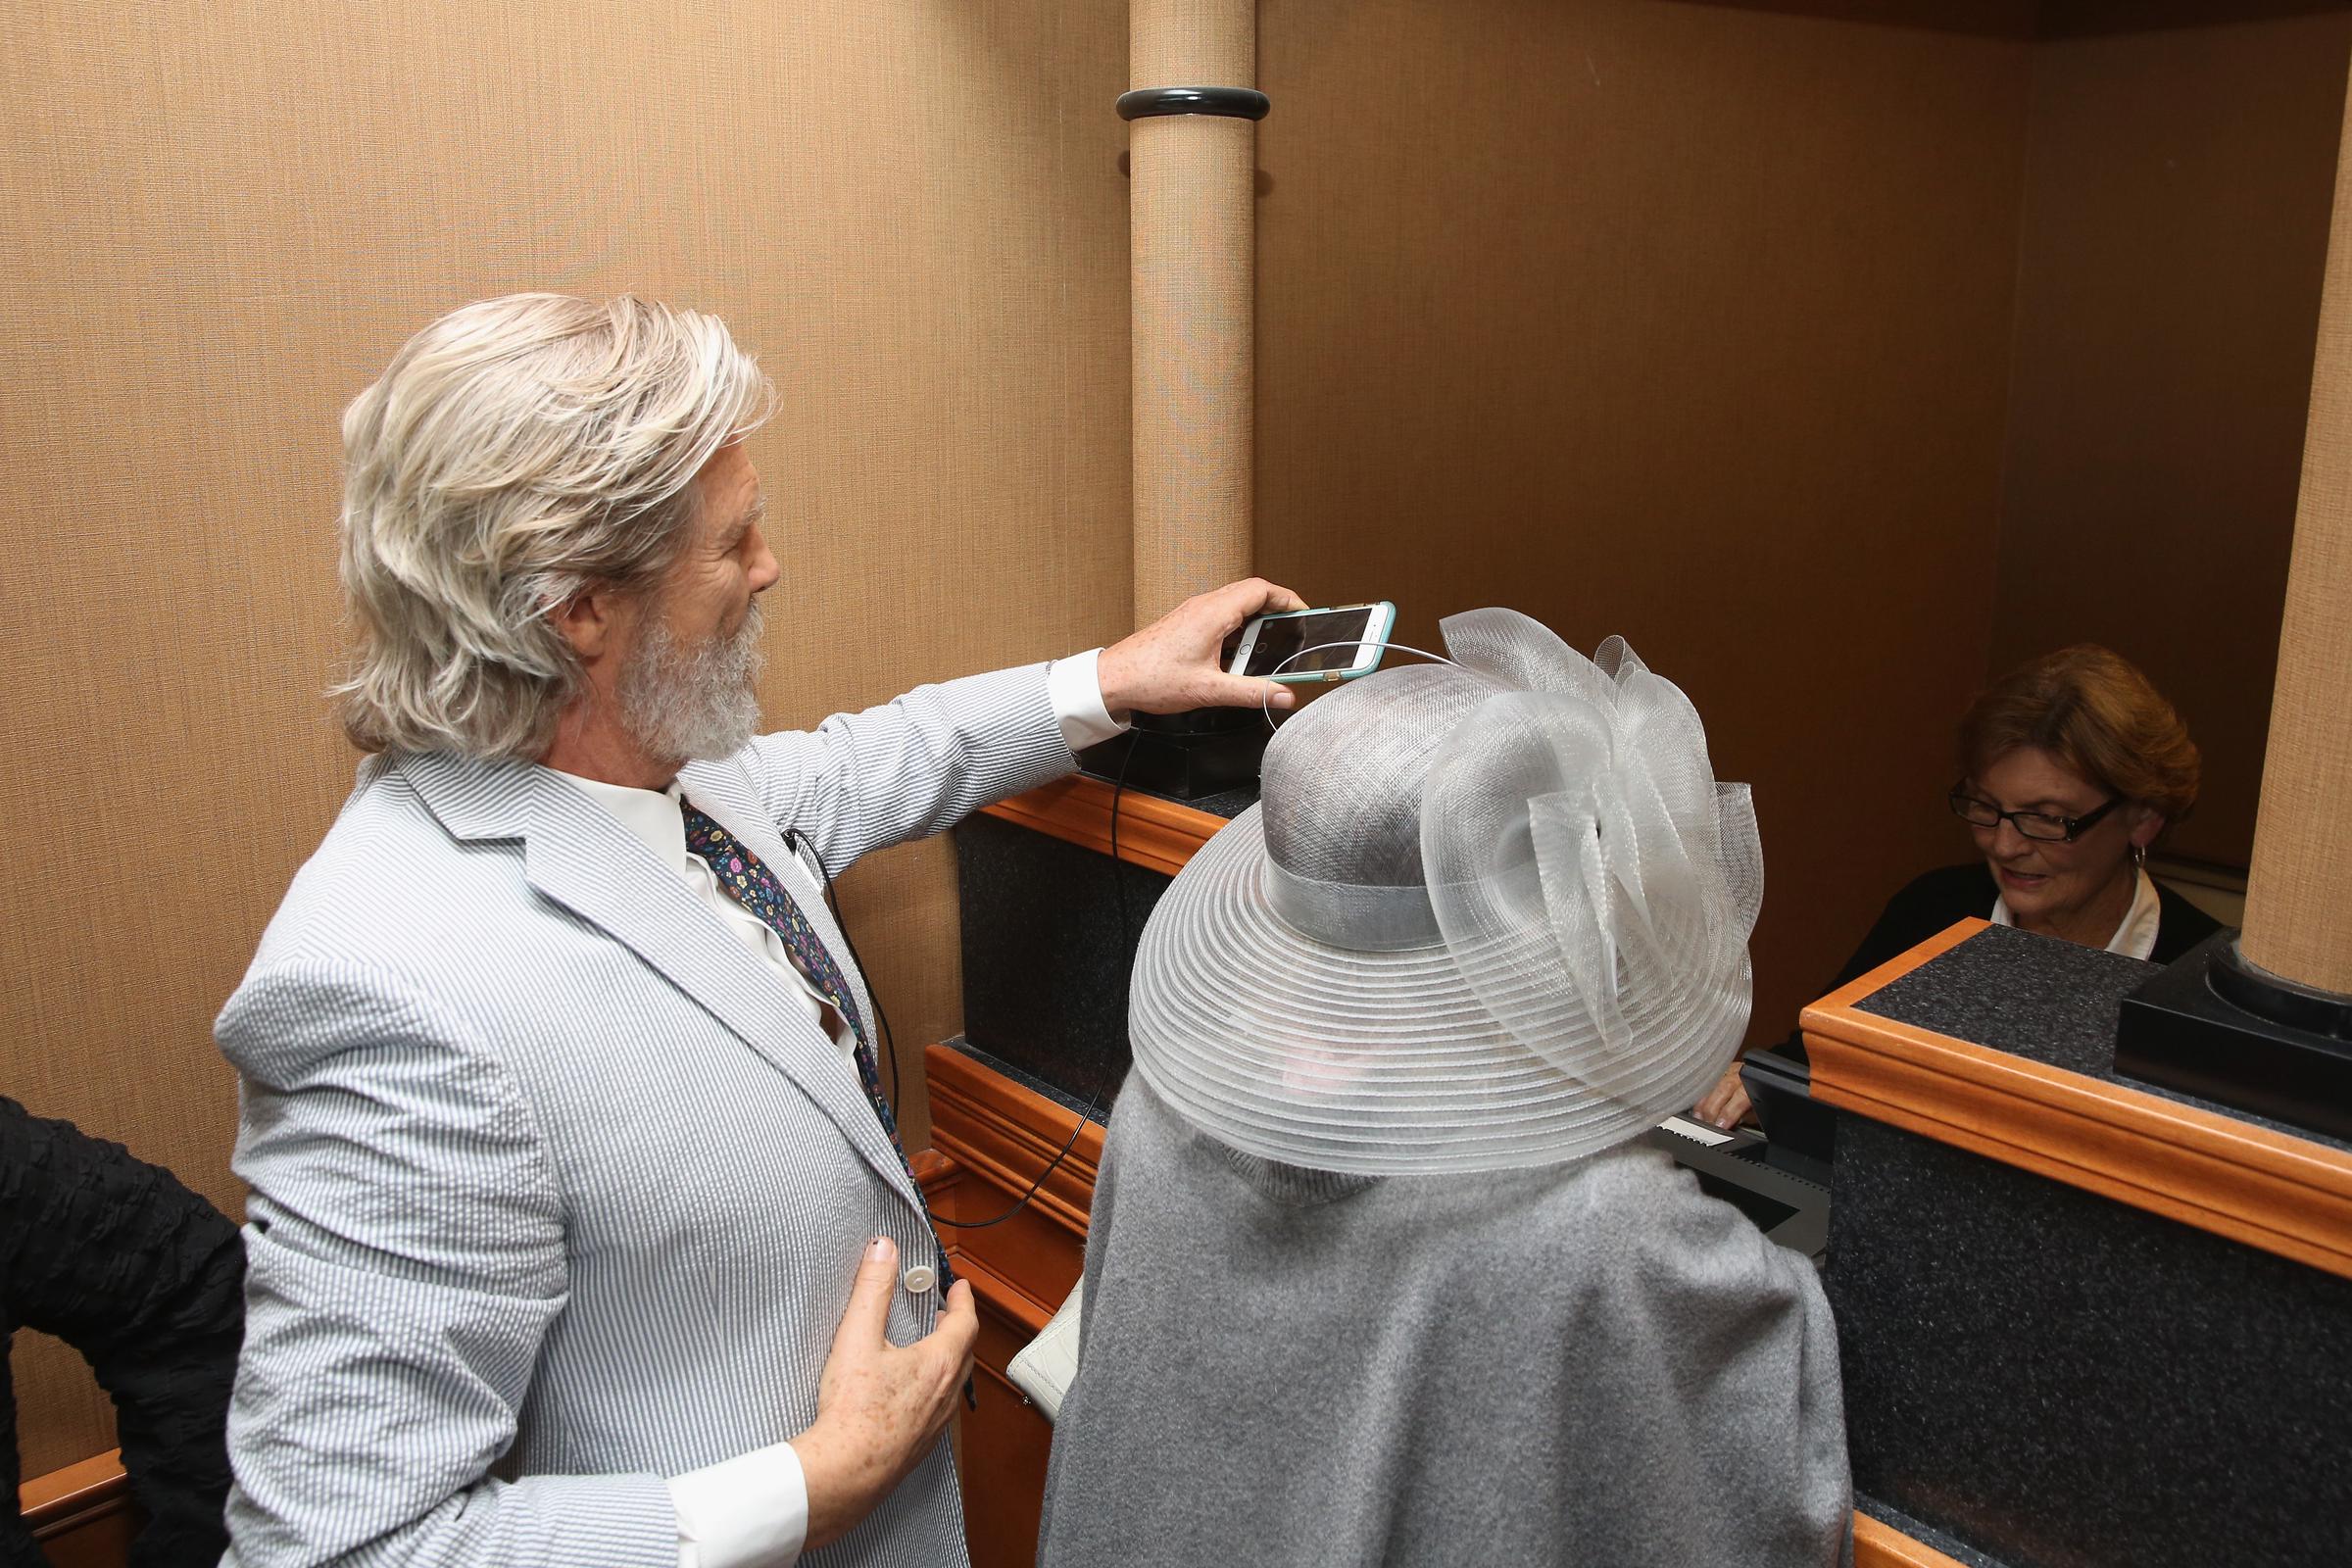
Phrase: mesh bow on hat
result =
(1484, 915)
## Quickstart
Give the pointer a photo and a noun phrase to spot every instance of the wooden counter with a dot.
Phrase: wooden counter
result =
(1160, 835)
(2254, 1184)
(81, 1516)
(990, 1137)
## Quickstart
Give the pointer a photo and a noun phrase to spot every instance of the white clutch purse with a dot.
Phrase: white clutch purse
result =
(1043, 1371)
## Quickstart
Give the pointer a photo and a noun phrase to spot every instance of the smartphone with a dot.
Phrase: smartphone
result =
(1307, 646)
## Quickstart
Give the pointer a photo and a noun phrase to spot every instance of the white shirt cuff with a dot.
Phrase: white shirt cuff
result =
(1075, 688)
(751, 1511)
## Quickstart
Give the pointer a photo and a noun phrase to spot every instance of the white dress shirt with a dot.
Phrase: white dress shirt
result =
(751, 1511)
(2134, 937)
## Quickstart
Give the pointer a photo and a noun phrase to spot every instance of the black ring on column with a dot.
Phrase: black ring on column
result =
(1231, 103)
(2235, 978)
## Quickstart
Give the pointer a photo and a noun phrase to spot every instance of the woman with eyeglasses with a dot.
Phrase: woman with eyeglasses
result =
(2070, 768)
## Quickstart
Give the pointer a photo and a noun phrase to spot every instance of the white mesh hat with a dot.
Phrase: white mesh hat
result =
(1484, 915)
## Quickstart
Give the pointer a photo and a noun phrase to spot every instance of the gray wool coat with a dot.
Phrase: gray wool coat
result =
(1586, 1364)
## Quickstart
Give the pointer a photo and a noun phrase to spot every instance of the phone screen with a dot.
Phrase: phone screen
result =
(1279, 639)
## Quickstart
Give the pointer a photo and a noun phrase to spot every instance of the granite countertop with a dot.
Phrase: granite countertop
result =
(1027, 1079)
(2042, 999)
(1926, 1534)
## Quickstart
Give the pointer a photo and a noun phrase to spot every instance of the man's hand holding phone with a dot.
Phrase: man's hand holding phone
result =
(1177, 664)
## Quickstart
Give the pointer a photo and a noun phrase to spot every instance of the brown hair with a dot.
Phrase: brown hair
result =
(2094, 711)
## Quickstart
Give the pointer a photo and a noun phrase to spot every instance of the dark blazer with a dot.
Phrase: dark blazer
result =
(1934, 901)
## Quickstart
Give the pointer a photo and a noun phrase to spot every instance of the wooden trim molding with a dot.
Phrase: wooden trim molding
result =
(74, 1496)
(1004, 1133)
(945, 1186)
(1877, 1545)
(2269, 1190)
(1156, 834)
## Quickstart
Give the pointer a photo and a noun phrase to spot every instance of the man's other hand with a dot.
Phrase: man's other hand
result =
(879, 1406)
(1178, 663)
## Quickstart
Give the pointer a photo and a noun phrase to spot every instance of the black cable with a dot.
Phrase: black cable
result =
(1023, 1200)
(1127, 941)
(890, 1044)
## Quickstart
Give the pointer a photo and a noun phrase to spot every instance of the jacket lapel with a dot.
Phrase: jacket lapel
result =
(577, 855)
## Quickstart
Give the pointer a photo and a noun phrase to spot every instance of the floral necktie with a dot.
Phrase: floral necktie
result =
(753, 885)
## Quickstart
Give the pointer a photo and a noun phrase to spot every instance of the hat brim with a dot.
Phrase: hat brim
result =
(1373, 1063)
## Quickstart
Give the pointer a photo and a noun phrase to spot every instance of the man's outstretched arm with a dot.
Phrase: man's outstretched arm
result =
(920, 763)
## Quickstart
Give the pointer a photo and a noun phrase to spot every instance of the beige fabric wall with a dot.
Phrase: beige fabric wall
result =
(2175, 233)
(1192, 288)
(221, 220)
(1691, 322)
(1684, 321)
(2298, 923)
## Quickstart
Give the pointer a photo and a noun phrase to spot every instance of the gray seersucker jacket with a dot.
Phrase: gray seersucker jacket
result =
(556, 1191)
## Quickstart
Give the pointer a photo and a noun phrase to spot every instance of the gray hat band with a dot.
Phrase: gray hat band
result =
(1346, 915)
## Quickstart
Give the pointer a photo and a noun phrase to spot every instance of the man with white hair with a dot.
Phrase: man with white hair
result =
(579, 1234)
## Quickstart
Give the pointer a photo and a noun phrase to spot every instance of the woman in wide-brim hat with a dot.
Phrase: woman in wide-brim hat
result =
(1377, 1271)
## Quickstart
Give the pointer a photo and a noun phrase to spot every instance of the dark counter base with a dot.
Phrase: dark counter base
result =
(2061, 1380)
(2056, 1379)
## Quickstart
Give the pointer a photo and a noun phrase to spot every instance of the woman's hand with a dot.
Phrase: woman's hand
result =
(1726, 1104)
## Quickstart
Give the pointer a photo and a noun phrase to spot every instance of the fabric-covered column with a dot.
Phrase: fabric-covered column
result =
(1192, 184)
(2298, 922)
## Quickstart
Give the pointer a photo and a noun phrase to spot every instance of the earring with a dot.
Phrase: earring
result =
(2139, 855)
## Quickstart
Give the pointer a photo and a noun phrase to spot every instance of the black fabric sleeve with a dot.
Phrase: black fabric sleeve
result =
(146, 1280)
(16, 1548)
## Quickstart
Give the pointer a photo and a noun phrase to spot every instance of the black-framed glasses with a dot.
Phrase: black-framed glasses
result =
(2040, 825)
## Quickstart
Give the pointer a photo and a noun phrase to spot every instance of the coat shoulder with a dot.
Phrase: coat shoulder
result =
(381, 922)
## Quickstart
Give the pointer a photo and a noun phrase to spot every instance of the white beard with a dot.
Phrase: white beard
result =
(698, 702)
